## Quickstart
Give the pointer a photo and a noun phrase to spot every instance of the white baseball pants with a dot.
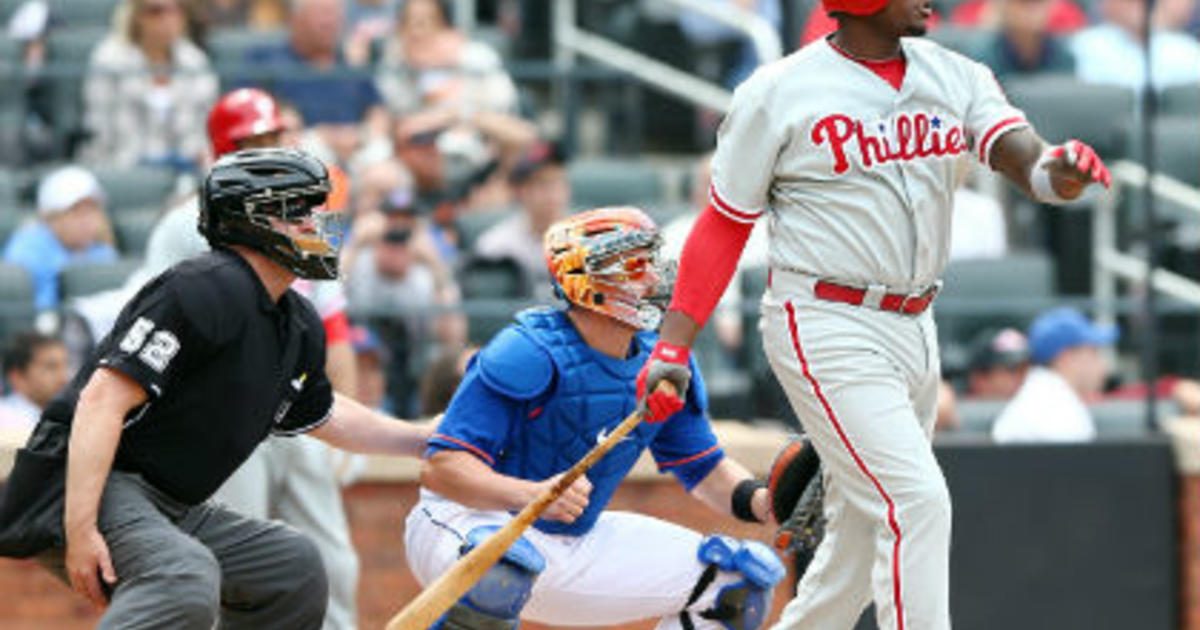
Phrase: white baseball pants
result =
(864, 384)
(628, 567)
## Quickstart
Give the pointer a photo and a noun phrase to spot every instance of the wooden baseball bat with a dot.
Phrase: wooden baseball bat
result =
(439, 596)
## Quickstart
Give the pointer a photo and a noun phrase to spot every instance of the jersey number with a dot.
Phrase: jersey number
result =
(158, 351)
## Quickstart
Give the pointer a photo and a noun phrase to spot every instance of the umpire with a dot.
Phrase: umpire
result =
(209, 358)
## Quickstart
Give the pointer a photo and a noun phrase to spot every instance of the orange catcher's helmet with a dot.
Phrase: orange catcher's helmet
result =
(606, 260)
(241, 114)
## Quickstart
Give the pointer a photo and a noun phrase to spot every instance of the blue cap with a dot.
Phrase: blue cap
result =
(1064, 328)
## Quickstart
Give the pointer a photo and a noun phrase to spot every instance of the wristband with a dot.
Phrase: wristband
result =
(1039, 178)
(741, 499)
(670, 353)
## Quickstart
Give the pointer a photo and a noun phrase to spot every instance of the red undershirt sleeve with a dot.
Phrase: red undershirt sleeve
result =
(710, 256)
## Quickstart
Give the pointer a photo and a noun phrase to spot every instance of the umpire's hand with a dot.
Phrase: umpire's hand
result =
(668, 362)
(87, 561)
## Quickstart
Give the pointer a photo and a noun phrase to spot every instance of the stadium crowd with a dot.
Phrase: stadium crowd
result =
(450, 169)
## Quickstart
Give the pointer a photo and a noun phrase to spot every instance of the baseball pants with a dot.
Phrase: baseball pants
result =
(864, 384)
(182, 567)
(628, 567)
(292, 479)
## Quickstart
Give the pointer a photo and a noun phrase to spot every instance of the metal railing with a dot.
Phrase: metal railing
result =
(1111, 264)
(570, 41)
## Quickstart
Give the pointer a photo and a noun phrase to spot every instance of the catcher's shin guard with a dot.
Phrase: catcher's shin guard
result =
(495, 602)
(742, 605)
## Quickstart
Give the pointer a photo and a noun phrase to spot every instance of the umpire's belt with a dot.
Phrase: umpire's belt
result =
(874, 296)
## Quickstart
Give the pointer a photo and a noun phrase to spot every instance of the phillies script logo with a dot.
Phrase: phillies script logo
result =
(913, 136)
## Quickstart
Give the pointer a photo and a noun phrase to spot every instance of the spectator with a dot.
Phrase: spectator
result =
(72, 228)
(255, 14)
(35, 367)
(442, 83)
(440, 380)
(1062, 16)
(1051, 405)
(309, 72)
(1112, 52)
(372, 359)
(33, 139)
(544, 193)
(367, 21)
(147, 90)
(998, 364)
(394, 269)
(708, 33)
(1024, 43)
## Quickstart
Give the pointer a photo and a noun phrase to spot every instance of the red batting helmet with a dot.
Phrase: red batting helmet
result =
(855, 7)
(241, 114)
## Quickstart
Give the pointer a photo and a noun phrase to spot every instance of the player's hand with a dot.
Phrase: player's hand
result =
(571, 504)
(669, 363)
(87, 562)
(1076, 165)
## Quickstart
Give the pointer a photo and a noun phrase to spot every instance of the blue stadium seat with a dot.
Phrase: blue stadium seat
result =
(81, 280)
(16, 300)
(612, 182)
(137, 187)
(1181, 100)
(1053, 105)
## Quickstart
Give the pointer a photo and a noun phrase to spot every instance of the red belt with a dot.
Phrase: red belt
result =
(895, 302)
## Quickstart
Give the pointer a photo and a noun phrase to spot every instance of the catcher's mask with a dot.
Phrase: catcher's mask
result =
(606, 260)
(273, 201)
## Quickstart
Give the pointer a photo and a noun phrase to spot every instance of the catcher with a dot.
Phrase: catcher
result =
(532, 403)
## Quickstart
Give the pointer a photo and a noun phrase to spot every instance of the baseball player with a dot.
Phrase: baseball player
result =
(537, 398)
(208, 359)
(852, 148)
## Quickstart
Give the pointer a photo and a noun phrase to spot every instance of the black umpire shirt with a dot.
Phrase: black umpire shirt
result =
(223, 367)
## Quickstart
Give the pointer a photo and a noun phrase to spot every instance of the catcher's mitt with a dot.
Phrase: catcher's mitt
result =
(797, 495)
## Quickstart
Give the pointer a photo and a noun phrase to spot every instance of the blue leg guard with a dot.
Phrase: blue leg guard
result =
(742, 605)
(495, 602)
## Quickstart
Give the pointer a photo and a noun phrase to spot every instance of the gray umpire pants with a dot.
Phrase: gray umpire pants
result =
(183, 567)
(292, 479)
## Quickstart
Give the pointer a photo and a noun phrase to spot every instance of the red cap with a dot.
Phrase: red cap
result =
(241, 114)
(855, 7)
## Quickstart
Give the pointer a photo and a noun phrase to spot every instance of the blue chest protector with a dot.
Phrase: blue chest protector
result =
(573, 400)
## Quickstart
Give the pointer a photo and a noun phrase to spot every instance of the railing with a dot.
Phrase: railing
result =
(570, 41)
(1111, 263)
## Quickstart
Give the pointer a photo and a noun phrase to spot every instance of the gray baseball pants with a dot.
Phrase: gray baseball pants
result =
(193, 567)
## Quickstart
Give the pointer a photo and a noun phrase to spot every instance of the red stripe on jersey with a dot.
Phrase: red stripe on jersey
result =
(893, 524)
(475, 450)
(991, 133)
(730, 211)
(686, 460)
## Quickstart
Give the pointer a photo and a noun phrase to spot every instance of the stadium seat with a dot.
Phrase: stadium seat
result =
(138, 187)
(493, 291)
(1180, 100)
(227, 51)
(471, 225)
(80, 280)
(1177, 148)
(8, 192)
(1063, 107)
(16, 300)
(68, 51)
(1122, 418)
(961, 40)
(77, 13)
(612, 182)
(10, 219)
(133, 228)
(977, 416)
(1000, 292)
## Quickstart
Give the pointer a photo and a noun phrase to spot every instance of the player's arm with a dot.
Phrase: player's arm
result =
(352, 426)
(100, 415)
(464, 478)
(728, 479)
(1051, 174)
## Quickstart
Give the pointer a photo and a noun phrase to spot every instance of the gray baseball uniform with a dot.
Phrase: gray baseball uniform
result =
(856, 178)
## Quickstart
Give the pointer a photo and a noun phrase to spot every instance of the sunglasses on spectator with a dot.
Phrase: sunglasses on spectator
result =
(159, 8)
(397, 237)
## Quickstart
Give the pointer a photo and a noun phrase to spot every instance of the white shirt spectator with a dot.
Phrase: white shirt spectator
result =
(1045, 409)
(1107, 54)
(18, 412)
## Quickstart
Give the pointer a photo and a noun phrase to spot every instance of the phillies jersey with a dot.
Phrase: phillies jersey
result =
(857, 177)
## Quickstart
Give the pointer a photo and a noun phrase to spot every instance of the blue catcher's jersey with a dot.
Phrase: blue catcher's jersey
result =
(537, 398)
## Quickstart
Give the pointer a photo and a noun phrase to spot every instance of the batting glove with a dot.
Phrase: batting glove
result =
(1084, 159)
(669, 363)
